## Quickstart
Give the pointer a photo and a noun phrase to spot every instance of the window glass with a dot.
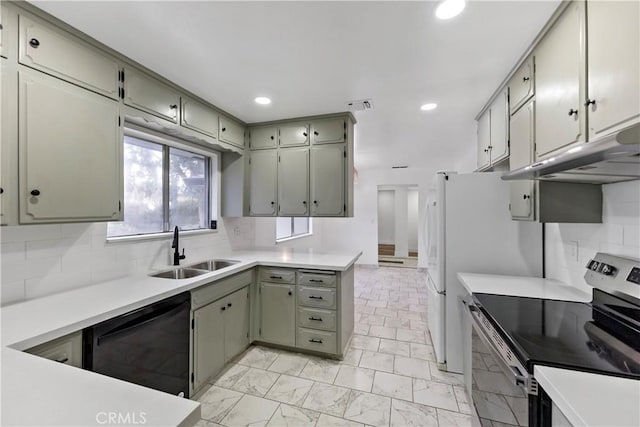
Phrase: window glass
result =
(188, 190)
(143, 207)
(287, 227)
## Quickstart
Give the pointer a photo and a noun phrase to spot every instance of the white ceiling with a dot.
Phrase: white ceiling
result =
(312, 57)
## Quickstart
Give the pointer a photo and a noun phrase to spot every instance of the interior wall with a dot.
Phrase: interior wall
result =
(386, 217)
(619, 234)
(413, 209)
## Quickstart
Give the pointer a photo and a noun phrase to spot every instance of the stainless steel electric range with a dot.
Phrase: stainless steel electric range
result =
(512, 334)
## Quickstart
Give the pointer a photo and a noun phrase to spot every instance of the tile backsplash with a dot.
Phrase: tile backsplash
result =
(570, 246)
(38, 260)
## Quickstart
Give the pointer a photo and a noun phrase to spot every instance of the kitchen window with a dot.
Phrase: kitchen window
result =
(164, 186)
(291, 227)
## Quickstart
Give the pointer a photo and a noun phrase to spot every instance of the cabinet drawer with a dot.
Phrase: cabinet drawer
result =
(317, 297)
(62, 55)
(231, 132)
(317, 318)
(521, 86)
(316, 279)
(277, 275)
(218, 289)
(316, 340)
(199, 117)
(150, 95)
(67, 350)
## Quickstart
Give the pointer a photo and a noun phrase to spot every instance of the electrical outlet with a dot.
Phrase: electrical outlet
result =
(236, 231)
(572, 249)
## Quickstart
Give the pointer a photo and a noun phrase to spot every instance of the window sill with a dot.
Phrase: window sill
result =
(286, 239)
(159, 236)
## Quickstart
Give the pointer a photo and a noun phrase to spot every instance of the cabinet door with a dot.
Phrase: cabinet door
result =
(62, 55)
(499, 128)
(614, 65)
(199, 117)
(559, 65)
(236, 323)
(329, 131)
(327, 180)
(484, 139)
(522, 200)
(208, 342)
(9, 144)
(522, 140)
(231, 132)
(294, 134)
(263, 176)
(70, 155)
(521, 86)
(278, 313)
(293, 182)
(264, 137)
(150, 95)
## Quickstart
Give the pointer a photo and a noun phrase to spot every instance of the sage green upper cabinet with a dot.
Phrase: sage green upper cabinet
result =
(60, 54)
(327, 180)
(328, 131)
(613, 65)
(278, 313)
(521, 85)
(293, 182)
(9, 144)
(231, 132)
(263, 137)
(294, 134)
(263, 180)
(236, 323)
(147, 94)
(197, 116)
(484, 139)
(208, 341)
(70, 158)
(499, 147)
(522, 139)
(560, 68)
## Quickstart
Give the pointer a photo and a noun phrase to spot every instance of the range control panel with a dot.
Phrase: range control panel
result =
(613, 273)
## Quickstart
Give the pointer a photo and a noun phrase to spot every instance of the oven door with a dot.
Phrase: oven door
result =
(499, 381)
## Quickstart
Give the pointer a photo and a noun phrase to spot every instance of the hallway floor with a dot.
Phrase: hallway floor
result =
(388, 376)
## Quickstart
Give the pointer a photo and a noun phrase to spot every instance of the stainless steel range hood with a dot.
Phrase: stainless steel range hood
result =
(612, 158)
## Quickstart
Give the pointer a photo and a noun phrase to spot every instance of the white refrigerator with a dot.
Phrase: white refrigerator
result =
(469, 229)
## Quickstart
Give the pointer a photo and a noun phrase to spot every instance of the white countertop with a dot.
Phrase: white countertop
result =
(531, 287)
(591, 399)
(37, 391)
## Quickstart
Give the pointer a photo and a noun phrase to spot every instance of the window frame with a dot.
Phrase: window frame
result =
(212, 187)
(294, 236)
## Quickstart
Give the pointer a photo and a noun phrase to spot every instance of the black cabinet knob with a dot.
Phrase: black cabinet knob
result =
(315, 202)
(590, 102)
(273, 203)
(526, 196)
(35, 192)
(34, 43)
(1, 190)
(173, 106)
(229, 305)
(290, 293)
(572, 112)
(224, 129)
(525, 79)
(304, 133)
(304, 202)
(223, 308)
(316, 133)
(272, 138)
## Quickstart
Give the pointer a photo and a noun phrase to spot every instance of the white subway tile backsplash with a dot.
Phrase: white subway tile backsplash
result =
(58, 282)
(631, 235)
(11, 292)
(27, 233)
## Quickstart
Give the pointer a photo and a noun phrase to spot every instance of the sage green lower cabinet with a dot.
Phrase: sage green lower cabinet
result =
(236, 323)
(208, 342)
(66, 350)
(278, 313)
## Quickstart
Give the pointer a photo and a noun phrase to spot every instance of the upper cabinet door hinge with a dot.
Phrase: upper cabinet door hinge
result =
(344, 154)
(119, 121)
(119, 205)
(193, 323)
(121, 75)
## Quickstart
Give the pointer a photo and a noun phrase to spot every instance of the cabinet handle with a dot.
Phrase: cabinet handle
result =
(315, 341)
(526, 196)
(63, 360)
(315, 132)
(229, 305)
(1, 190)
(315, 202)
(275, 277)
(272, 137)
(525, 79)
(223, 308)
(34, 43)
(35, 193)
(304, 133)
(589, 102)
(224, 129)
(317, 319)
(314, 297)
(290, 293)
(572, 112)
(304, 202)
(273, 203)
(316, 280)
(173, 106)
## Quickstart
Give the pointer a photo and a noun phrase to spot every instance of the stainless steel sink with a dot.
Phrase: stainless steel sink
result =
(213, 264)
(180, 273)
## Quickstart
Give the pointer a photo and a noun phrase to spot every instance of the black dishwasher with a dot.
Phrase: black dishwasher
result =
(148, 346)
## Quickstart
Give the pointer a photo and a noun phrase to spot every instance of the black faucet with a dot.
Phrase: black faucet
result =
(176, 254)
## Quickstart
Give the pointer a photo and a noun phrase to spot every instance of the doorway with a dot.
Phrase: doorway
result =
(398, 226)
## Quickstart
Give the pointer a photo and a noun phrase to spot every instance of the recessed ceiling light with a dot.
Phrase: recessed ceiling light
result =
(429, 107)
(262, 100)
(450, 8)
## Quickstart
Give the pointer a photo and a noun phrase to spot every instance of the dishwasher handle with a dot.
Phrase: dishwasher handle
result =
(138, 322)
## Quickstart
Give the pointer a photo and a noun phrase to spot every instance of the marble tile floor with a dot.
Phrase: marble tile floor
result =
(387, 378)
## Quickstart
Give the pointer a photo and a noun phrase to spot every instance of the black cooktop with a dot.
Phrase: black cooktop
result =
(573, 335)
